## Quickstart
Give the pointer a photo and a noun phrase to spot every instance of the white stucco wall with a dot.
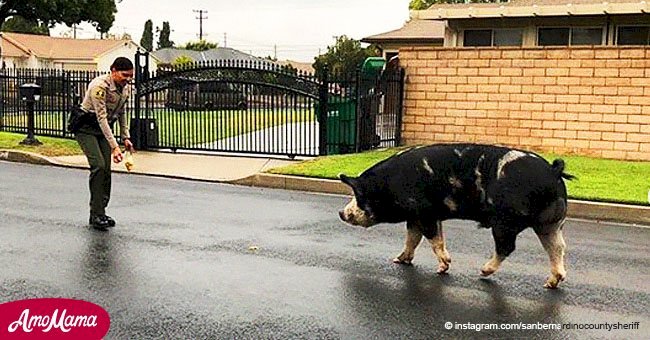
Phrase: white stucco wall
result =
(127, 50)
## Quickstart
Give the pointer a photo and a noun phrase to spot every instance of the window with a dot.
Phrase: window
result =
(493, 37)
(478, 38)
(586, 36)
(553, 36)
(633, 35)
(565, 36)
(509, 37)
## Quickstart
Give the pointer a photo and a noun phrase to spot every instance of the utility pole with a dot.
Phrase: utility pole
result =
(75, 28)
(201, 17)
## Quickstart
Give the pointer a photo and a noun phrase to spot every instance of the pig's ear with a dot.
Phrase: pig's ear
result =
(351, 181)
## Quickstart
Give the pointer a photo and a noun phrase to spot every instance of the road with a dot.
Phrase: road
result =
(203, 260)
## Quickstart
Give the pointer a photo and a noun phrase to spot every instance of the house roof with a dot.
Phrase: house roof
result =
(43, 46)
(414, 31)
(11, 48)
(168, 55)
(530, 8)
(298, 65)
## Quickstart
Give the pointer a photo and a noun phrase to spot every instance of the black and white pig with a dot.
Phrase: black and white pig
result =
(504, 189)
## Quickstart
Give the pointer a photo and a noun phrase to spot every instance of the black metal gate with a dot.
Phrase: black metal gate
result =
(256, 106)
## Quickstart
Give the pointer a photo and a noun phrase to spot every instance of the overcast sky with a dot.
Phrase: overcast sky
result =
(296, 29)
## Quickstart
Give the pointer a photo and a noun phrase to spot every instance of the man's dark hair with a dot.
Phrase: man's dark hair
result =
(122, 64)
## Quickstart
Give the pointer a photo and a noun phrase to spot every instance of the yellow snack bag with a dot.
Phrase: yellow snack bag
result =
(128, 161)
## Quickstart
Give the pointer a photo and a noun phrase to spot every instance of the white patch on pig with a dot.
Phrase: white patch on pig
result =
(451, 204)
(455, 182)
(426, 165)
(356, 216)
(508, 158)
(460, 153)
(479, 176)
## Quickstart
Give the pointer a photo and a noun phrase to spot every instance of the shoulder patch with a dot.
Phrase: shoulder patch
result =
(99, 93)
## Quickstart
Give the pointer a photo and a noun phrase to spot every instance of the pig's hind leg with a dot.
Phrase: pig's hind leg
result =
(436, 238)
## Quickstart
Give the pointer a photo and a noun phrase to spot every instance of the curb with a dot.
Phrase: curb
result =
(325, 186)
(598, 211)
(24, 157)
(611, 212)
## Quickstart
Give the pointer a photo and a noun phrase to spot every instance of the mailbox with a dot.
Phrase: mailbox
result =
(30, 92)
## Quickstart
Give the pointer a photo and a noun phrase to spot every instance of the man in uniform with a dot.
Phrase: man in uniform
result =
(104, 101)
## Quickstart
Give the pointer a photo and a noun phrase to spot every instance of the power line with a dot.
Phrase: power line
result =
(200, 17)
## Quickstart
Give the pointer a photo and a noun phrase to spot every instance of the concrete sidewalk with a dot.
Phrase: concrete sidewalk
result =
(247, 170)
(216, 168)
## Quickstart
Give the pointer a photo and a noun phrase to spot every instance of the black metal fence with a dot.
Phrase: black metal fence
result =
(59, 90)
(233, 106)
(227, 106)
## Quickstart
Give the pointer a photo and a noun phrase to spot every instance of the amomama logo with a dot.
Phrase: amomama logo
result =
(53, 319)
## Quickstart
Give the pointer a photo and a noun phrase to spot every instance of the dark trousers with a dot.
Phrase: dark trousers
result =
(98, 153)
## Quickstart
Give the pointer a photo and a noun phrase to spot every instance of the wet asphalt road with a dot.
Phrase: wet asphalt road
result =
(201, 260)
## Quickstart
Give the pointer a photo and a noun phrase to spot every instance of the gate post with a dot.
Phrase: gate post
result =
(323, 106)
(138, 129)
(400, 107)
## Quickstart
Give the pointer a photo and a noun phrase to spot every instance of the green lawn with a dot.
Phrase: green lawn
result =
(189, 128)
(50, 147)
(50, 120)
(597, 179)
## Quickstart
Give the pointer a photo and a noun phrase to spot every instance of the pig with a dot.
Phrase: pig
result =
(504, 189)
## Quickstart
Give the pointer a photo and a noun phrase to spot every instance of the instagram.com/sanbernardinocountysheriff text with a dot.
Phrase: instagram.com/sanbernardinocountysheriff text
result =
(608, 326)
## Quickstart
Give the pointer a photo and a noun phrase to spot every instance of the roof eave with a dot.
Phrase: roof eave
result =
(441, 13)
(423, 40)
(17, 44)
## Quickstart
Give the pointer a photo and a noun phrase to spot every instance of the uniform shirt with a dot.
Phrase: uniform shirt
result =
(107, 102)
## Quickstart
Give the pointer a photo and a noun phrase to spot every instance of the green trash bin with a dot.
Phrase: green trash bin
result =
(370, 94)
(372, 67)
(341, 125)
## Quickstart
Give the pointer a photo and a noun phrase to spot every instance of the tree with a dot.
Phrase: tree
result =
(163, 39)
(424, 4)
(100, 13)
(182, 61)
(200, 45)
(118, 36)
(19, 25)
(344, 57)
(147, 36)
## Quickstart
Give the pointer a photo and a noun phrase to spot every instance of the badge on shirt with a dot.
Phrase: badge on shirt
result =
(99, 93)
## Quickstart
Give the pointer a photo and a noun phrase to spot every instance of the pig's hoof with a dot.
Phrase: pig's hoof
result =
(443, 268)
(403, 259)
(553, 281)
(487, 271)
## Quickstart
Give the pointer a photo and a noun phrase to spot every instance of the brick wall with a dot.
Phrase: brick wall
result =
(589, 101)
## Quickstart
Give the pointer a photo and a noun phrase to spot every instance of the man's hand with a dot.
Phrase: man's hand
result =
(129, 146)
(117, 155)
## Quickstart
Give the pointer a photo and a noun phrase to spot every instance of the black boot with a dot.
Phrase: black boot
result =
(98, 222)
(110, 220)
